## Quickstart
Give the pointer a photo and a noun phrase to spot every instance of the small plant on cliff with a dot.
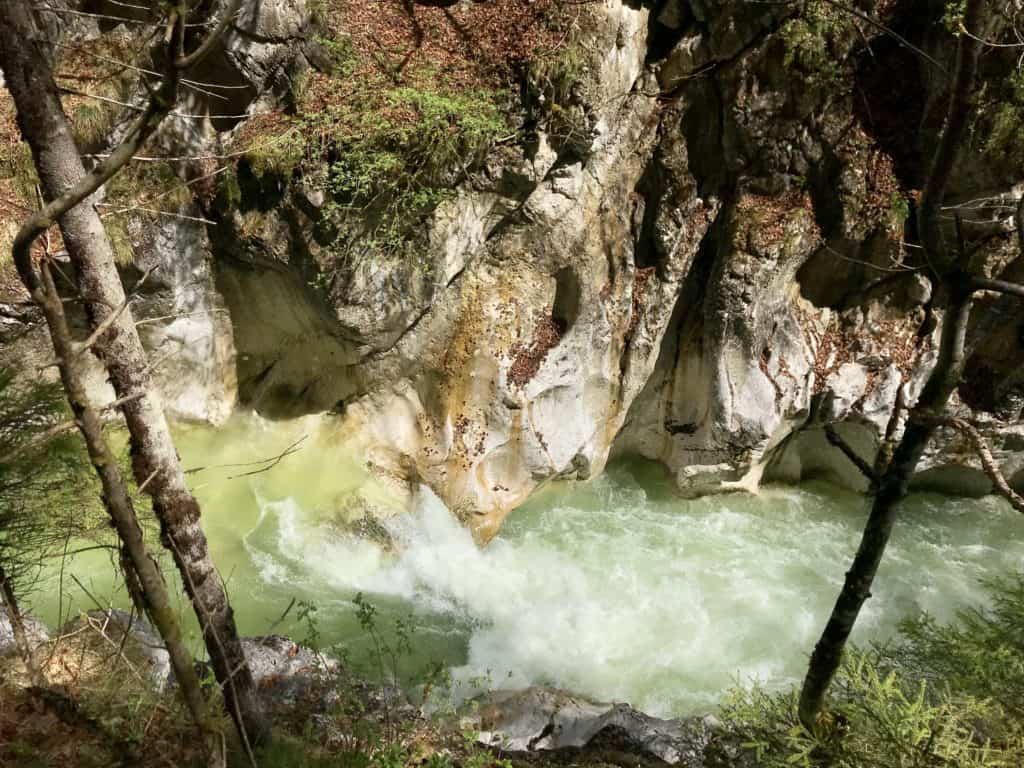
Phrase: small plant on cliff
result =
(814, 44)
(385, 155)
(999, 127)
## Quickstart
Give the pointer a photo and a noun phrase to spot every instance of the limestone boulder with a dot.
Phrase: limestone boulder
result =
(544, 719)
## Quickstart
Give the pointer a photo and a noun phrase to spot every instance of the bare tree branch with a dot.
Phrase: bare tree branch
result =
(1019, 220)
(1000, 286)
(988, 461)
(184, 62)
(961, 100)
(837, 440)
(161, 102)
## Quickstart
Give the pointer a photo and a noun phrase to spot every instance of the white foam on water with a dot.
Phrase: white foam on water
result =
(657, 601)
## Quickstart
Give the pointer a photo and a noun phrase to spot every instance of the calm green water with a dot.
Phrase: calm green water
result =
(616, 589)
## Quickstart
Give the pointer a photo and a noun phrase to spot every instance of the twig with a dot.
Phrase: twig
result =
(272, 460)
(276, 624)
(158, 212)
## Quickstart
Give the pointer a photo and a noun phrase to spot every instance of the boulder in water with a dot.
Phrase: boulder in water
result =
(541, 719)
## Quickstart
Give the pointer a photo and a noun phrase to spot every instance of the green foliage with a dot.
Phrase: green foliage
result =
(116, 228)
(814, 44)
(16, 164)
(557, 74)
(1000, 122)
(883, 720)
(940, 695)
(340, 53)
(557, 78)
(982, 654)
(92, 123)
(438, 760)
(389, 151)
(289, 752)
(279, 155)
(391, 755)
(47, 489)
(307, 616)
(953, 16)
(387, 652)
(899, 210)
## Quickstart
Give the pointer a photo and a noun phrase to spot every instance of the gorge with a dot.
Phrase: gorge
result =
(696, 256)
(573, 336)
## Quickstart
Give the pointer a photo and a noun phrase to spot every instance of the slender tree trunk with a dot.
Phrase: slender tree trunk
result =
(892, 488)
(10, 601)
(131, 580)
(942, 382)
(118, 503)
(28, 72)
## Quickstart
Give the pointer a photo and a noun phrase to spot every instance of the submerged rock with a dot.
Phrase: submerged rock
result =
(541, 719)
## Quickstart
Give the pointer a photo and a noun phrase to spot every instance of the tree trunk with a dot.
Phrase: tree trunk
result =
(942, 382)
(118, 503)
(28, 73)
(10, 601)
(892, 488)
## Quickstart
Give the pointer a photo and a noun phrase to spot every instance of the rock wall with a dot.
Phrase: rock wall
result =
(707, 268)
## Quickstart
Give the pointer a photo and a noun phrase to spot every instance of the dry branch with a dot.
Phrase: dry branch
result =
(988, 461)
(837, 440)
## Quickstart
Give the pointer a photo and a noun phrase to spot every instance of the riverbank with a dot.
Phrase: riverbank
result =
(939, 694)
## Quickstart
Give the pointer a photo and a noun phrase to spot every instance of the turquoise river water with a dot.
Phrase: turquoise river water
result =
(617, 588)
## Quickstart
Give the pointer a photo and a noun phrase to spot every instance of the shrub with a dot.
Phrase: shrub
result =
(939, 695)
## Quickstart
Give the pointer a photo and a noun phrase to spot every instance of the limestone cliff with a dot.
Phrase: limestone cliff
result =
(691, 244)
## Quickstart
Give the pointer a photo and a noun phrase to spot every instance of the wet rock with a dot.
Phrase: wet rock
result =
(287, 674)
(35, 630)
(697, 480)
(542, 719)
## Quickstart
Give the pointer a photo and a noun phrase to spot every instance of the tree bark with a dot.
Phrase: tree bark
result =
(117, 500)
(892, 488)
(155, 464)
(988, 461)
(10, 601)
(942, 382)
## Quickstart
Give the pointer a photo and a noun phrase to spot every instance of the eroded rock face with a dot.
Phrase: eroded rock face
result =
(807, 309)
(706, 270)
(513, 358)
(694, 277)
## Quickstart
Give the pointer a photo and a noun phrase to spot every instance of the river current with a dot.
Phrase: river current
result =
(616, 588)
